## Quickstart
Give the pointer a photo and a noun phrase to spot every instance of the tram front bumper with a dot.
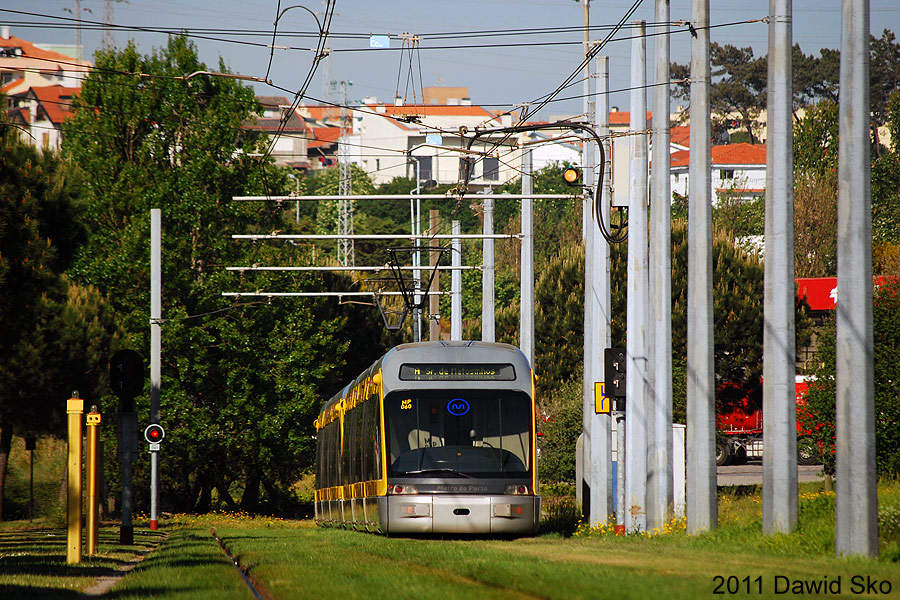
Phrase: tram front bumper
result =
(463, 514)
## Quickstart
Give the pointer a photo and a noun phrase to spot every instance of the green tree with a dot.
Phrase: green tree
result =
(815, 155)
(738, 88)
(52, 330)
(242, 381)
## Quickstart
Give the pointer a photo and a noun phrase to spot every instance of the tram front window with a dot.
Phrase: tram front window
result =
(461, 433)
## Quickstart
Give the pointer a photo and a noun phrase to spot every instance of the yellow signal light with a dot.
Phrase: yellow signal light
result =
(571, 175)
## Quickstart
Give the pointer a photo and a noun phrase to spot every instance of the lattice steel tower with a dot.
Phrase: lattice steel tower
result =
(345, 184)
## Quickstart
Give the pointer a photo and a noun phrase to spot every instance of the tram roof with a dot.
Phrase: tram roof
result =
(434, 352)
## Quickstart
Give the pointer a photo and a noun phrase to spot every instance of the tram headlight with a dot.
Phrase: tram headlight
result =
(403, 489)
(517, 489)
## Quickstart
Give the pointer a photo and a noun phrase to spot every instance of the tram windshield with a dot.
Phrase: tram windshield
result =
(464, 433)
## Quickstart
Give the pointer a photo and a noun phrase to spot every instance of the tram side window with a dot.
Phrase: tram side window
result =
(355, 430)
(326, 458)
(362, 471)
(318, 482)
(375, 435)
(345, 451)
(334, 449)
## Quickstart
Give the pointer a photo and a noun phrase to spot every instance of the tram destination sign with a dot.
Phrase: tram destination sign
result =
(465, 372)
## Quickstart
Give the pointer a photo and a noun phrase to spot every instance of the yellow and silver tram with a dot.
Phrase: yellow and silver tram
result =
(434, 437)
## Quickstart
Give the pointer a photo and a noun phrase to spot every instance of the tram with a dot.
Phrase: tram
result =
(433, 438)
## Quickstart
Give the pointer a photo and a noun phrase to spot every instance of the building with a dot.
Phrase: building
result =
(287, 133)
(738, 171)
(425, 142)
(24, 65)
(39, 112)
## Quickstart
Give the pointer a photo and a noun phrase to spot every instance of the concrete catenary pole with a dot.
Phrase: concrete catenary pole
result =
(487, 275)
(456, 285)
(702, 512)
(155, 348)
(589, 345)
(586, 92)
(779, 493)
(526, 291)
(856, 502)
(600, 431)
(638, 304)
(659, 415)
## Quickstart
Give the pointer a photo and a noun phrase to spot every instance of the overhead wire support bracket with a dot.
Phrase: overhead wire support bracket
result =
(413, 296)
(465, 169)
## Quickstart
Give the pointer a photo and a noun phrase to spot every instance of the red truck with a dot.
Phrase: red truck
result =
(739, 432)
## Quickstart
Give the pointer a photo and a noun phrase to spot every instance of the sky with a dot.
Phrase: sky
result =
(497, 78)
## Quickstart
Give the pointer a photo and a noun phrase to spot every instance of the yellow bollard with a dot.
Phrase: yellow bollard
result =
(74, 410)
(93, 508)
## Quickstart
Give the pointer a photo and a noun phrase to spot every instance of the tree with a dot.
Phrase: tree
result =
(242, 381)
(738, 89)
(52, 329)
(815, 155)
(884, 80)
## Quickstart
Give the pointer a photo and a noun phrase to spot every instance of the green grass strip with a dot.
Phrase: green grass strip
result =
(33, 560)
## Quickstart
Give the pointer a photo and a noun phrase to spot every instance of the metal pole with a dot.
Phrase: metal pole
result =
(620, 473)
(155, 345)
(526, 291)
(31, 485)
(74, 410)
(487, 274)
(601, 429)
(638, 296)
(856, 501)
(434, 325)
(779, 491)
(127, 455)
(93, 507)
(413, 226)
(702, 514)
(417, 255)
(456, 286)
(659, 422)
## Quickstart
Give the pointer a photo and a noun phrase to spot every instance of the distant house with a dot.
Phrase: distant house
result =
(39, 113)
(738, 171)
(423, 141)
(39, 85)
(285, 130)
(24, 65)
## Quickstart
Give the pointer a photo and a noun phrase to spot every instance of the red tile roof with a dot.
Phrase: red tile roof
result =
(55, 101)
(29, 50)
(680, 135)
(728, 154)
(739, 154)
(324, 136)
(623, 117)
(680, 158)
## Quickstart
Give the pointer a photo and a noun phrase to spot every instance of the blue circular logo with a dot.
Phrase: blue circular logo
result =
(457, 407)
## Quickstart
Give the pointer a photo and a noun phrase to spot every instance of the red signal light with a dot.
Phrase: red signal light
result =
(154, 433)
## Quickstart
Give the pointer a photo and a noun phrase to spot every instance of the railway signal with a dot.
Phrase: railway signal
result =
(572, 175)
(614, 359)
(154, 434)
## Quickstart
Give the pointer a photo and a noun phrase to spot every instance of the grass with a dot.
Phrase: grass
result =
(33, 560)
(295, 559)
